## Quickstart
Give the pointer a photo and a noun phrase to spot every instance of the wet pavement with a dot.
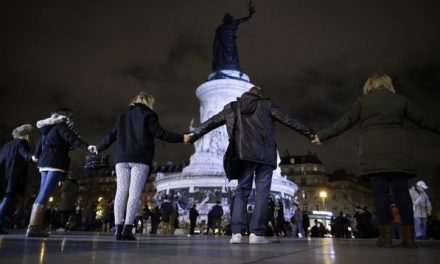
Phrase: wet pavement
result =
(81, 248)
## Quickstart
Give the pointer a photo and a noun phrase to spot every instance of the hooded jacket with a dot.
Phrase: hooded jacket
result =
(55, 141)
(14, 156)
(134, 133)
(254, 136)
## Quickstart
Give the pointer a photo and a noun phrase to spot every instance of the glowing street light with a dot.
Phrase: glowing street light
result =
(323, 195)
(50, 199)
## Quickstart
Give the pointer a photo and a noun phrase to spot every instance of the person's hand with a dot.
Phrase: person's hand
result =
(316, 140)
(93, 149)
(187, 138)
(34, 159)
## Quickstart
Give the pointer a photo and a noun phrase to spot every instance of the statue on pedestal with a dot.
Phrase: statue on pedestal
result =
(225, 48)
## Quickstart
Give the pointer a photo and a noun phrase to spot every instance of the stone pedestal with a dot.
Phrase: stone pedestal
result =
(213, 96)
(205, 176)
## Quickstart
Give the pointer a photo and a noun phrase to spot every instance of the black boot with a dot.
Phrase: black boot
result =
(408, 237)
(127, 234)
(384, 239)
(118, 233)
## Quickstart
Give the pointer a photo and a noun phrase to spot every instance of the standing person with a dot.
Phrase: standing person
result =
(108, 216)
(134, 133)
(166, 210)
(384, 153)
(91, 216)
(340, 225)
(297, 222)
(193, 214)
(279, 226)
(271, 214)
(305, 223)
(217, 213)
(315, 231)
(69, 194)
(56, 140)
(363, 223)
(210, 223)
(422, 208)
(14, 157)
(155, 219)
(250, 125)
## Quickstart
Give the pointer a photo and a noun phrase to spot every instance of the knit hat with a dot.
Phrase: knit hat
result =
(22, 130)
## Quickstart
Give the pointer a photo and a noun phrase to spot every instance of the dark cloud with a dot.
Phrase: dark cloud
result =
(311, 57)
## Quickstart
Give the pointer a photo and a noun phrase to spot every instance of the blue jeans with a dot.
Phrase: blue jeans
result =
(420, 226)
(263, 180)
(49, 181)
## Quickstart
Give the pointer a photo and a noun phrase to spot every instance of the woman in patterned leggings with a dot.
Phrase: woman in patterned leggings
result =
(134, 133)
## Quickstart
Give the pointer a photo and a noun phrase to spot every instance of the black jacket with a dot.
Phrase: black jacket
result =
(255, 134)
(134, 133)
(14, 156)
(193, 214)
(54, 145)
(217, 211)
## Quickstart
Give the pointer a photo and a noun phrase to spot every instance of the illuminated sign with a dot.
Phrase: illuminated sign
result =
(322, 213)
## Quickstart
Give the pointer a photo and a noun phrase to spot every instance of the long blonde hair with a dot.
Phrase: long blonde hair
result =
(376, 81)
(144, 98)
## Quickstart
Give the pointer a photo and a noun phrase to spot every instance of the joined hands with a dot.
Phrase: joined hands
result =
(93, 149)
(187, 138)
(315, 140)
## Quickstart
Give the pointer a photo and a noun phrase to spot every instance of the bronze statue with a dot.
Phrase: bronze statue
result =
(225, 48)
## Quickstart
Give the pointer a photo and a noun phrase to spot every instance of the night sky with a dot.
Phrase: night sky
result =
(311, 57)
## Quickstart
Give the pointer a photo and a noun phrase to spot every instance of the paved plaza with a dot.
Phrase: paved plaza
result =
(81, 248)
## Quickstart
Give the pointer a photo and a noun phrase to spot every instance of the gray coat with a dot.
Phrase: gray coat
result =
(421, 203)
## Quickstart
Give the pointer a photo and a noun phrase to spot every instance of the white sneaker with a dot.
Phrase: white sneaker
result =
(236, 239)
(254, 239)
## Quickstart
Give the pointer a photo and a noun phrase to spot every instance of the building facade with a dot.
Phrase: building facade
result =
(319, 190)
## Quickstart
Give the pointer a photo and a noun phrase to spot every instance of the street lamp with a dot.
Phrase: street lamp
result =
(323, 195)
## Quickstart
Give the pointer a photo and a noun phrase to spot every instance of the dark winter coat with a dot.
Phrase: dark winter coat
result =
(383, 145)
(134, 133)
(54, 145)
(166, 210)
(69, 195)
(254, 137)
(193, 214)
(14, 156)
(217, 211)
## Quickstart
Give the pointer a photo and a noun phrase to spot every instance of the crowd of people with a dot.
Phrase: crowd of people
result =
(251, 156)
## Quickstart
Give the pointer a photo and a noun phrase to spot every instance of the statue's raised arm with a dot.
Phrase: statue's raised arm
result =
(251, 13)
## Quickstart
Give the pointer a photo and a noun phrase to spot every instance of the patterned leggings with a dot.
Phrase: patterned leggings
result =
(130, 181)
